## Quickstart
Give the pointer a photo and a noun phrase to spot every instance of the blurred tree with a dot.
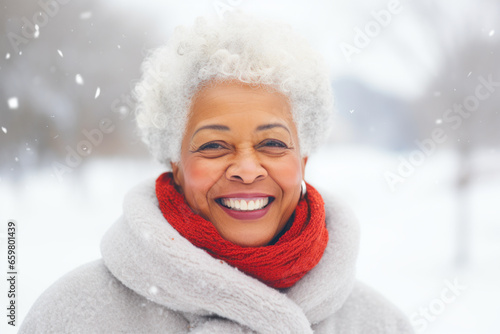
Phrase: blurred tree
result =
(374, 117)
(71, 66)
(463, 98)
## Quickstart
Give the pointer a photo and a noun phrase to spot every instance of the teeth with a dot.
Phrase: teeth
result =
(245, 205)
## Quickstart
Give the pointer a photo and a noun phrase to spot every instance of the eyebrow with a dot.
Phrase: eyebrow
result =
(219, 127)
(211, 127)
(271, 126)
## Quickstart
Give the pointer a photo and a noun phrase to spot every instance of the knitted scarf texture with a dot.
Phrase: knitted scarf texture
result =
(279, 265)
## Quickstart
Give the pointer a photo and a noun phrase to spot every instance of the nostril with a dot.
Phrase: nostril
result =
(246, 168)
(237, 177)
(245, 177)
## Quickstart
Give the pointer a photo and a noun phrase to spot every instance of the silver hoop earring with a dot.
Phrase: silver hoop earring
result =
(303, 189)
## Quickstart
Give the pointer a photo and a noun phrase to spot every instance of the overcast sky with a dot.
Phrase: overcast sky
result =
(328, 24)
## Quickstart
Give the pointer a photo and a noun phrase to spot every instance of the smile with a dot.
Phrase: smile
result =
(240, 204)
(245, 206)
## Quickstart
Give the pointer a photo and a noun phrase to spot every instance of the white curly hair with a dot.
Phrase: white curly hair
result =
(238, 47)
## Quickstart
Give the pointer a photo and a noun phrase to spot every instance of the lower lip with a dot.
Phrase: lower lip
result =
(246, 215)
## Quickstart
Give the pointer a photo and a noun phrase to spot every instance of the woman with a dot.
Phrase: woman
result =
(232, 240)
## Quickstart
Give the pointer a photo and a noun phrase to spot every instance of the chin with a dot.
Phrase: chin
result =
(249, 239)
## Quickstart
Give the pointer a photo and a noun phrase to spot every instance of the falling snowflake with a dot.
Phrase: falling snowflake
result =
(13, 103)
(85, 15)
(7, 56)
(468, 75)
(60, 53)
(123, 110)
(4, 130)
(97, 92)
(86, 149)
(439, 121)
(351, 111)
(153, 290)
(37, 31)
(118, 46)
(492, 32)
(79, 79)
(16, 159)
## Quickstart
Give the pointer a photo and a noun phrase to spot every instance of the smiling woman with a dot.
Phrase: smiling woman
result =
(240, 165)
(230, 239)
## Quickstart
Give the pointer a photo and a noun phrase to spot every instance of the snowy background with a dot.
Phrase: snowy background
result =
(430, 216)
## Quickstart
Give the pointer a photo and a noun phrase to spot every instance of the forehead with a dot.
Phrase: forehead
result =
(235, 100)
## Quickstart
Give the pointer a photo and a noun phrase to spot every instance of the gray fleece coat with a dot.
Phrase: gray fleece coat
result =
(152, 280)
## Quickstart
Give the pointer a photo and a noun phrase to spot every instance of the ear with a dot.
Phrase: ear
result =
(304, 162)
(176, 172)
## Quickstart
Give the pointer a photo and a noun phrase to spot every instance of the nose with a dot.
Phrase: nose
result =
(246, 168)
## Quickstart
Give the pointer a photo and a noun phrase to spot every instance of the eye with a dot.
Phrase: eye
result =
(213, 149)
(273, 143)
(273, 147)
(211, 146)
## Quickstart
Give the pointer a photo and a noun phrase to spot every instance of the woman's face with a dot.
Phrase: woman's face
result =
(240, 165)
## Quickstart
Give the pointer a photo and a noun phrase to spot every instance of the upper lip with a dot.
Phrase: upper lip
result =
(244, 195)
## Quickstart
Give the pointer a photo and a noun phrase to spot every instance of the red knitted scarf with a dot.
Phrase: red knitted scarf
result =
(279, 265)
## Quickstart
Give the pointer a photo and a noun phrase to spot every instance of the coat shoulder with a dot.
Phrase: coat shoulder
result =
(91, 299)
(367, 311)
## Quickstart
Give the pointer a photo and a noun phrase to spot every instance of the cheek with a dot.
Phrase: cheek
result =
(199, 177)
(288, 174)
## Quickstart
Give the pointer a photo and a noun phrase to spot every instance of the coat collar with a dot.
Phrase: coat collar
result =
(150, 257)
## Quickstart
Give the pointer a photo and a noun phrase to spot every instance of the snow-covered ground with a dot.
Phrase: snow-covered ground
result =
(408, 243)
